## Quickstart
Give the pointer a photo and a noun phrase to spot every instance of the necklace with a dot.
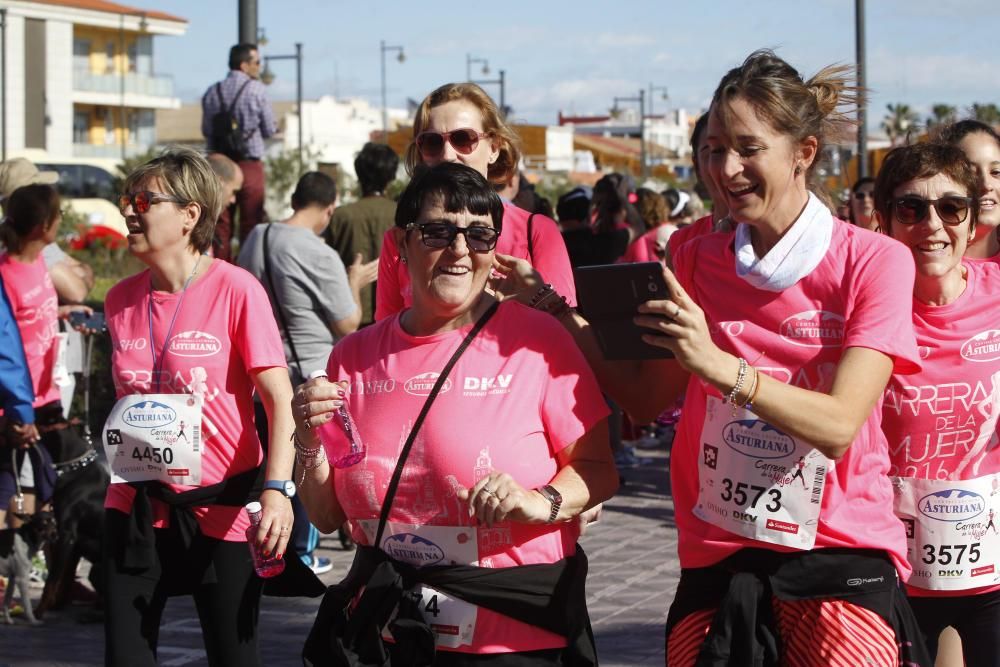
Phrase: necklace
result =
(158, 370)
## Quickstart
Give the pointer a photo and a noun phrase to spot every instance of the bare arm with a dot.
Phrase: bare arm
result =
(275, 392)
(314, 404)
(72, 279)
(828, 421)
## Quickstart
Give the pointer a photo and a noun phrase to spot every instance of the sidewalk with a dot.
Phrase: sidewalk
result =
(633, 575)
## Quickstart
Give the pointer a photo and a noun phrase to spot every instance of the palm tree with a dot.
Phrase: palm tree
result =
(941, 115)
(899, 122)
(985, 113)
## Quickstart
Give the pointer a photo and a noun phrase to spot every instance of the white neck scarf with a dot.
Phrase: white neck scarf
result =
(795, 255)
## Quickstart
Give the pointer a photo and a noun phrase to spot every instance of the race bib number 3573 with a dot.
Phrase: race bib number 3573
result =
(757, 481)
(155, 437)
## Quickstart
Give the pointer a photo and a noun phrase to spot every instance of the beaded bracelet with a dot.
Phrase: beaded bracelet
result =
(301, 448)
(542, 293)
(740, 377)
(751, 391)
(309, 463)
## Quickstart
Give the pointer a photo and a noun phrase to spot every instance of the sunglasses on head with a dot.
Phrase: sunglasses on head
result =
(440, 234)
(953, 210)
(144, 199)
(464, 140)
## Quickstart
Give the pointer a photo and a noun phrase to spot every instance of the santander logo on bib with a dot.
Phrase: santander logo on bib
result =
(421, 385)
(757, 439)
(194, 344)
(814, 328)
(984, 346)
(952, 505)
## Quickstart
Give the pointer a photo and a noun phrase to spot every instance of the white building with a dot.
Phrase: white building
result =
(667, 135)
(80, 79)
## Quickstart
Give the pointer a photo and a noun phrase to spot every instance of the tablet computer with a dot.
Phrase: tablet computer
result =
(609, 296)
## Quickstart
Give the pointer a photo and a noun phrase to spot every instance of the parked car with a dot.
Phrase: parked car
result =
(92, 192)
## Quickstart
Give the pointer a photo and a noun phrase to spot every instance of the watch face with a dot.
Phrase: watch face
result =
(289, 488)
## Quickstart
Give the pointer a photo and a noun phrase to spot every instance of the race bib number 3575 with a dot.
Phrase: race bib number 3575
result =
(155, 437)
(757, 481)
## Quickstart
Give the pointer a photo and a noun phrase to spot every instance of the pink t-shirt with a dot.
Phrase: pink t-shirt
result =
(520, 394)
(35, 306)
(548, 250)
(224, 330)
(699, 227)
(849, 295)
(941, 423)
(643, 249)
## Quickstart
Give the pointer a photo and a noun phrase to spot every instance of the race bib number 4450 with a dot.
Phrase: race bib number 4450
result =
(155, 437)
(952, 538)
(757, 481)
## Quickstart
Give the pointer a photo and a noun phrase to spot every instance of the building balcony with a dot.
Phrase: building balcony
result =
(109, 151)
(140, 90)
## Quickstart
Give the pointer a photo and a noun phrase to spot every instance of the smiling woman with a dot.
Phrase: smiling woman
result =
(981, 145)
(481, 501)
(944, 458)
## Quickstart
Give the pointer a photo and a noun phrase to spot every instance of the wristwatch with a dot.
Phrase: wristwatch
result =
(550, 493)
(285, 486)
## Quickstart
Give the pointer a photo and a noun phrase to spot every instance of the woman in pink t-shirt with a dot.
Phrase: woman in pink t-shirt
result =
(784, 332)
(31, 223)
(512, 451)
(459, 122)
(981, 144)
(193, 339)
(941, 423)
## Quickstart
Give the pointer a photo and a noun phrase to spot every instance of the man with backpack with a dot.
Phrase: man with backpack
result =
(236, 118)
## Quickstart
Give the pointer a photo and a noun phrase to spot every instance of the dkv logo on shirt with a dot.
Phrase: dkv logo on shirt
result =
(149, 414)
(481, 386)
(194, 344)
(984, 346)
(952, 505)
(814, 328)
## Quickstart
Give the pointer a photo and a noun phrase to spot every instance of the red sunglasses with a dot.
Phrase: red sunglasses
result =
(143, 200)
(464, 140)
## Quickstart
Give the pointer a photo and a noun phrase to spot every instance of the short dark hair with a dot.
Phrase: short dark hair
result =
(28, 207)
(314, 189)
(376, 167)
(956, 132)
(574, 205)
(461, 188)
(240, 54)
(924, 160)
(861, 182)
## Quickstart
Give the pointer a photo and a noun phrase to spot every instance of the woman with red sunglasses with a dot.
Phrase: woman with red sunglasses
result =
(193, 339)
(459, 122)
(942, 423)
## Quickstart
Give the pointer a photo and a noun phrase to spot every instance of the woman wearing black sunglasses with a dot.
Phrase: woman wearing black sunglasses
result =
(459, 122)
(193, 340)
(942, 422)
(512, 451)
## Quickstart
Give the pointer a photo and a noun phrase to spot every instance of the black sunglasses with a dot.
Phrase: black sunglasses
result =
(953, 210)
(441, 234)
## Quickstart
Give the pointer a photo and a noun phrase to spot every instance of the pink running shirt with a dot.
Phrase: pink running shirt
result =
(224, 330)
(521, 393)
(941, 423)
(35, 306)
(393, 292)
(798, 336)
(699, 227)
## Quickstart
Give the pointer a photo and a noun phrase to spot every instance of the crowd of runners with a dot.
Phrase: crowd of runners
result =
(835, 471)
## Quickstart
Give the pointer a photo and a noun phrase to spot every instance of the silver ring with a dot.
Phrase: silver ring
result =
(488, 490)
(677, 311)
(283, 531)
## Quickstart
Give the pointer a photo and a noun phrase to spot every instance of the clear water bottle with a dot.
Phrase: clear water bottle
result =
(265, 566)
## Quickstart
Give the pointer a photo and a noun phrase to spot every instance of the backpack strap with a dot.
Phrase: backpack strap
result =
(531, 243)
(277, 304)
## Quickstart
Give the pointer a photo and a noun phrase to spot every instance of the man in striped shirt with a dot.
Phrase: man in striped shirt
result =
(252, 110)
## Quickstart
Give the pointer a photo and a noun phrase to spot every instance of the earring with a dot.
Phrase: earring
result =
(402, 258)
(798, 169)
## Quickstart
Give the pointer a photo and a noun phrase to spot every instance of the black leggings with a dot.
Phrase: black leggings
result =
(976, 618)
(228, 609)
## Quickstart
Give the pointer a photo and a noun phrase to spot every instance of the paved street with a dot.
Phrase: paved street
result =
(633, 574)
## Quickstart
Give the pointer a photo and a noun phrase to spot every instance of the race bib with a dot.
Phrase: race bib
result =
(756, 481)
(453, 621)
(155, 437)
(952, 538)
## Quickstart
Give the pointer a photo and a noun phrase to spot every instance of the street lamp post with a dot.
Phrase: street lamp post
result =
(652, 91)
(641, 99)
(3, 83)
(267, 76)
(469, 60)
(859, 44)
(501, 80)
(383, 48)
(123, 69)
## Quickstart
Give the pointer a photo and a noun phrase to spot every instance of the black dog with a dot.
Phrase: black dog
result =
(78, 504)
(17, 546)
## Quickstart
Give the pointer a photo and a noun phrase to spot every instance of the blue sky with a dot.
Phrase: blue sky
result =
(576, 56)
